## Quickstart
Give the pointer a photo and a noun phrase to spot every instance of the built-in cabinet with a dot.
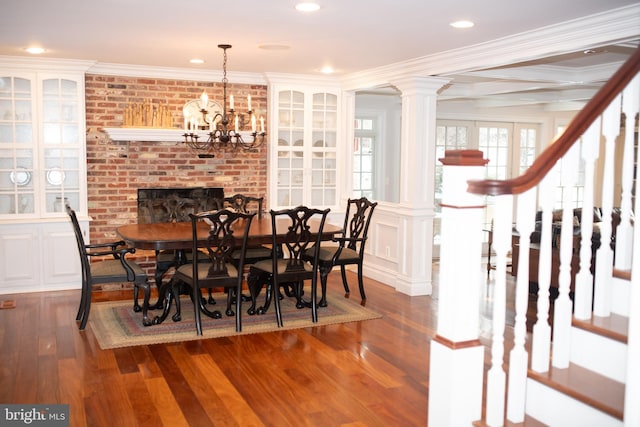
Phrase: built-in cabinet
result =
(42, 167)
(304, 157)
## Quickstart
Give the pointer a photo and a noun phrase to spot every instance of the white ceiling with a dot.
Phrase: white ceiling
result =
(349, 35)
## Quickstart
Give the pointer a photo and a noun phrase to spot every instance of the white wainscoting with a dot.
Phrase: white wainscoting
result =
(39, 256)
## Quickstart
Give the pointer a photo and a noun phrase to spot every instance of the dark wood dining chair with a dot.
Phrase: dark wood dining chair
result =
(244, 204)
(116, 269)
(292, 268)
(218, 271)
(349, 249)
(248, 204)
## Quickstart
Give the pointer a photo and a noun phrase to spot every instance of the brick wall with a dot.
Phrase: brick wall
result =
(116, 169)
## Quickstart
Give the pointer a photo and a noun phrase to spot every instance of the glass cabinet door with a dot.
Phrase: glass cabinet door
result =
(290, 150)
(61, 144)
(41, 146)
(306, 149)
(323, 149)
(17, 146)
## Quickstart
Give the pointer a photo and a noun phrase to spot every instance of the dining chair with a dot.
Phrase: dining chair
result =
(244, 204)
(292, 268)
(172, 208)
(116, 269)
(349, 249)
(247, 204)
(226, 226)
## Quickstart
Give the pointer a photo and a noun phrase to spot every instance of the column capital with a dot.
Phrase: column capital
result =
(419, 85)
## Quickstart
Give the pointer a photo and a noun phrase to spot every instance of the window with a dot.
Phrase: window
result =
(375, 154)
(576, 189)
(510, 148)
(363, 152)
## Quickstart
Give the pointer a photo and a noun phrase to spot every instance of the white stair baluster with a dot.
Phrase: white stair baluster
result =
(604, 255)
(583, 291)
(562, 305)
(632, 387)
(496, 379)
(624, 232)
(541, 341)
(518, 358)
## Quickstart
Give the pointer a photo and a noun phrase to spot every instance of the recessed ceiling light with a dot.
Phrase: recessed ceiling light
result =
(307, 7)
(196, 61)
(35, 50)
(462, 24)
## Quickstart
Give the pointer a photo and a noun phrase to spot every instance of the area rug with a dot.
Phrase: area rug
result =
(115, 324)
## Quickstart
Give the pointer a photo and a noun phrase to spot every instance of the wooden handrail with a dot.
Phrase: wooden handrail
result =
(576, 128)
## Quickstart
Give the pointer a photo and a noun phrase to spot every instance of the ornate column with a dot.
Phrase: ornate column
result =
(416, 210)
(457, 356)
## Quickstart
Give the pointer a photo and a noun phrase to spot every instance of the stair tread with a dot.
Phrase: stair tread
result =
(622, 274)
(586, 386)
(614, 326)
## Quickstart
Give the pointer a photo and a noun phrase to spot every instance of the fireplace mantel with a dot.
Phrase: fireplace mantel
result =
(148, 134)
(157, 135)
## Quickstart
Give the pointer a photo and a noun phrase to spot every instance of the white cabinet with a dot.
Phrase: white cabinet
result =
(304, 158)
(42, 167)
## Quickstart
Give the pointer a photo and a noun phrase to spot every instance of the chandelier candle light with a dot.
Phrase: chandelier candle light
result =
(221, 136)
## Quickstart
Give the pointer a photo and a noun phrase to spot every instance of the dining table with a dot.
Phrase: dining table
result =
(178, 236)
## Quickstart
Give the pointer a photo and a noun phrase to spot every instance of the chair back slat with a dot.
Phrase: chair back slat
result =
(299, 236)
(221, 242)
(244, 204)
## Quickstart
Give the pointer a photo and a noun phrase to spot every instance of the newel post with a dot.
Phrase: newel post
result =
(457, 356)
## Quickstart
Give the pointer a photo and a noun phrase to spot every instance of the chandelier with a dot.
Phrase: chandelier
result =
(221, 135)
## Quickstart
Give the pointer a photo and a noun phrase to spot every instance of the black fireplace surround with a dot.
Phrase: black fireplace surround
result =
(175, 204)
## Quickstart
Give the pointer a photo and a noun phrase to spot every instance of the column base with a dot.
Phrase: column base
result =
(455, 382)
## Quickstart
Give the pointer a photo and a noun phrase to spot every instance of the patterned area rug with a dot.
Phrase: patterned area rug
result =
(115, 324)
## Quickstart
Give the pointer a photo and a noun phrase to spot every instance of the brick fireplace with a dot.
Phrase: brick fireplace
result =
(117, 169)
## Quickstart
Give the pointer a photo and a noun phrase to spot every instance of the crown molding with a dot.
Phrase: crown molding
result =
(301, 79)
(170, 73)
(614, 26)
(39, 64)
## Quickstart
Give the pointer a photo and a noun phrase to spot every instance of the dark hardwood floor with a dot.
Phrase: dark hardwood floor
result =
(371, 373)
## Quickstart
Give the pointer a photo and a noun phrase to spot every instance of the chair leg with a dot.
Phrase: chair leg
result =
(136, 306)
(83, 291)
(361, 284)
(86, 306)
(238, 307)
(211, 300)
(314, 300)
(343, 271)
(197, 295)
(146, 292)
(176, 289)
(230, 296)
(324, 273)
(276, 303)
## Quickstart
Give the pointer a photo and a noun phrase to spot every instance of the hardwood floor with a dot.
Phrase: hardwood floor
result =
(371, 373)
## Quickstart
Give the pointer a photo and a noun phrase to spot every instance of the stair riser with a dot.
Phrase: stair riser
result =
(600, 354)
(620, 296)
(557, 409)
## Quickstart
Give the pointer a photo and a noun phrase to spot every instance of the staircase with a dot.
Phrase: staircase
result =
(580, 365)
